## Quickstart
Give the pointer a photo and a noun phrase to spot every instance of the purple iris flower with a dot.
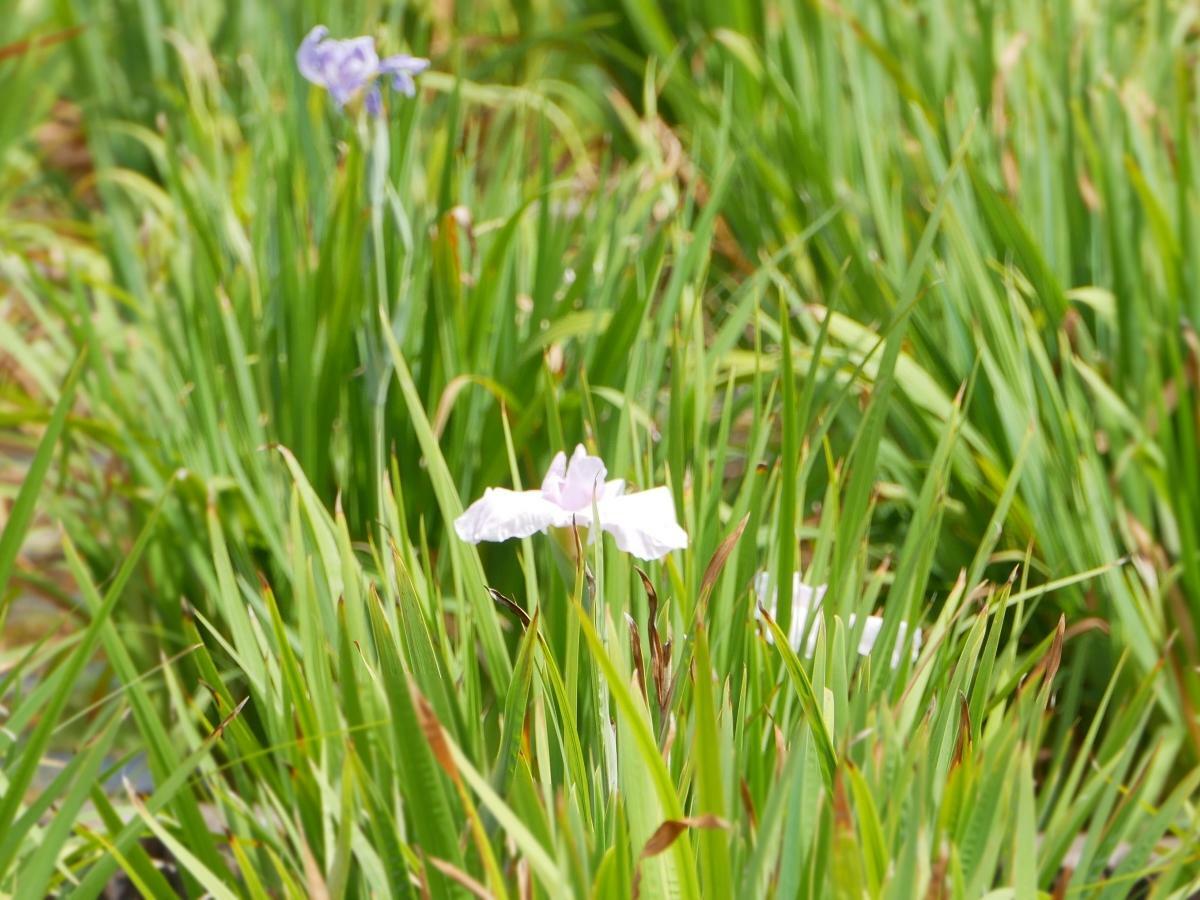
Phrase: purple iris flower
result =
(345, 67)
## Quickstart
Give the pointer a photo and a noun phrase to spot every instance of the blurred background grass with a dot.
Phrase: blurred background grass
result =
(904, 291)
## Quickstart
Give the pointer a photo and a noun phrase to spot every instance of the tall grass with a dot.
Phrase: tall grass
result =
(896, 297)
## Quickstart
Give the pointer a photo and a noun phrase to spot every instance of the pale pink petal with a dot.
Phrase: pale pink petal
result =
(555, 475)
(644, 523)
(501, 514)
(585, 479)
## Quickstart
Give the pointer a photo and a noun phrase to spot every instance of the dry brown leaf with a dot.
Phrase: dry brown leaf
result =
(660, 653)
(635, 644)
(964, 731)
(719, 558)
(666, 834)
(511, 605)
(20, 48)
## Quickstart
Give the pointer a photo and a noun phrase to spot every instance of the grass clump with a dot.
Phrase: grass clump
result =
(898, 301)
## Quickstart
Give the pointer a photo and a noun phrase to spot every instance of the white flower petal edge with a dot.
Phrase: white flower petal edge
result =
(871, 632)
(501, 514)
(642, 524)
(806, 599)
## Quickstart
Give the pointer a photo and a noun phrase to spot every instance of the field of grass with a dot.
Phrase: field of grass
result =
(896, 298)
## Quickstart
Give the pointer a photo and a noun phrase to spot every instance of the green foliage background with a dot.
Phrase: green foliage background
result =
(898, 296)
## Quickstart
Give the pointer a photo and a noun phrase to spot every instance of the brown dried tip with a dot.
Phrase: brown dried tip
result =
(220, 729)
(964, 730)
(666, 834)
(20, 48)
(639, 667)
(719, 558)
(511, 605)
(660, 653)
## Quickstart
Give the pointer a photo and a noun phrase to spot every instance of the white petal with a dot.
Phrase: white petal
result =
(611, 489)
(643, 523)
(807, 595)
(796, 632)
(805, 598)
(800, 613)
(501, 514)
(802, 594)
(762, 588)
(870, 633)
(871, 630)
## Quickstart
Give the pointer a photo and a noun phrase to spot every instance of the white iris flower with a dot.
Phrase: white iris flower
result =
(806, 601)
(642, 523)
